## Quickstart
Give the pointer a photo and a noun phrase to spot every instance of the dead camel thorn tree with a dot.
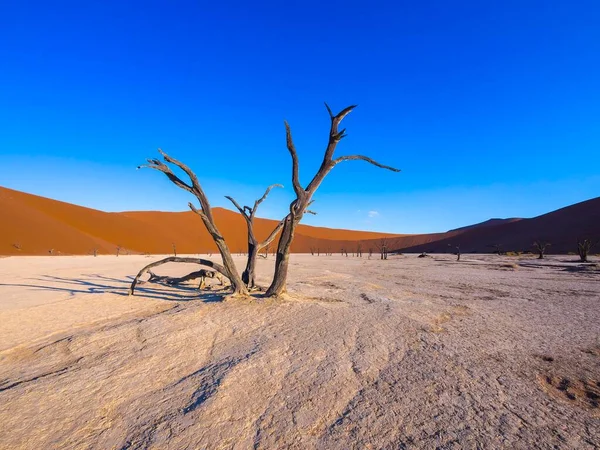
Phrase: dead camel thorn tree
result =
(383, 248)
(540, 247)
(583, 248)
(457, 247)
(228, 269)
(254, 247)
(304, 195)
(298, 208)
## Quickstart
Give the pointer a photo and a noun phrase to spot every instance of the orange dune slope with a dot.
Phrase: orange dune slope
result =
(34, 225)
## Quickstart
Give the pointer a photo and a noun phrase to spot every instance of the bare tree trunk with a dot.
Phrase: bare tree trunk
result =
(248, 276)
(278, 285)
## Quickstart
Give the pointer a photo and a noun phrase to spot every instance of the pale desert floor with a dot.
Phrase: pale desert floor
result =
(489, 352)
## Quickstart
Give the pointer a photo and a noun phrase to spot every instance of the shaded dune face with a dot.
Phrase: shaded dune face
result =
(33, 225)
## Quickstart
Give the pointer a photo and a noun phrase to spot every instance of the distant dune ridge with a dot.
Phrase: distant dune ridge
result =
(34, 225)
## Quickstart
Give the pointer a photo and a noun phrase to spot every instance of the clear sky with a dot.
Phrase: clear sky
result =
(490, 108)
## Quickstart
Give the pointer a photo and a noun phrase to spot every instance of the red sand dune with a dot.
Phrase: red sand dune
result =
(33, 225)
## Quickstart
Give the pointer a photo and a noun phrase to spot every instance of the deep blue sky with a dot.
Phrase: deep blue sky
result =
(490, 108)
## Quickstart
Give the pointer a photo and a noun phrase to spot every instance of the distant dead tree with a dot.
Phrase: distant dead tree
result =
(254, 247)
(359, 249)
(383, 248)
(497, 248)
(304, 196)
(312, 251)
(370, 252)
(540, 246)
(118, 250)
(228, 269)
(17, 245)
(457, 247)
(174, 249)
(583, 248)
(95, 252)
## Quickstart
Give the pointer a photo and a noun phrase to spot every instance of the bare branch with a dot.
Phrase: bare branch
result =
(363, 158)
(343, 113)
(271, 236)
(260, 200)
(210, 227)
(205, 262)
(161, 167)
(197, 211)
(295, 168)
(331, 115)
(240, 209)
(202, 273)
(308, 211)
(334, 138)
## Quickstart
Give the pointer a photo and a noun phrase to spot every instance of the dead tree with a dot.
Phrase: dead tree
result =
(383, 248)
(304, 195)
(174, 249)
(95, 252)
(540, 246)
(457, 247)
(359, 250)
(254, 247)
(583, 248)
(370, 252)
(228, 268)
(497, 249)
(118, 250)
(17, 245)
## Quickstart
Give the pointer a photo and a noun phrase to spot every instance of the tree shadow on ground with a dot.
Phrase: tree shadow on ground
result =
(99, 284)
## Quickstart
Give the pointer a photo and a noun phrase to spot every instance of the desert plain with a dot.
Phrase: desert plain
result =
(487, 352)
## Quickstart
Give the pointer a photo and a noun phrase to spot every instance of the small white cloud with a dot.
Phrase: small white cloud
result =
(373, 214)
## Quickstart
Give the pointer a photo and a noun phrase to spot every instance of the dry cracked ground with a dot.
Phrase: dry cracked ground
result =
(488, 352)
